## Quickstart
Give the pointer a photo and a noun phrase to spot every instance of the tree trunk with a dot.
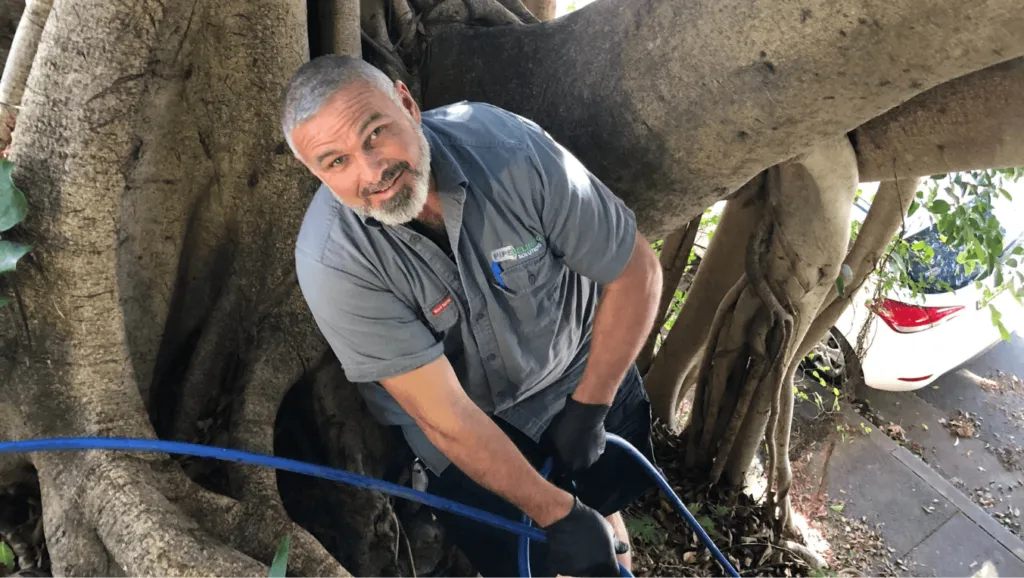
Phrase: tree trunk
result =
(790, 269)
(890, 206)
(19, 62)
(156, 179)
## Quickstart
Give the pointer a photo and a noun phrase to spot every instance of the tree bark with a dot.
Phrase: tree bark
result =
(973, 121)
(19, 62)
(674, 371)
(790, 270)
(698, 113)
(890, 206)
(156, 196)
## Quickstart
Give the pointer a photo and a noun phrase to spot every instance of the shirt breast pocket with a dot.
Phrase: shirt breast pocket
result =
(531, 289)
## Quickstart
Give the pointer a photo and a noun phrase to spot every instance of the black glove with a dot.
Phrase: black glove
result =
(577, 434)
(582, 544)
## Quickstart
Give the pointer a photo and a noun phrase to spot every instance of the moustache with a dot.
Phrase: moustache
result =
(388, 177)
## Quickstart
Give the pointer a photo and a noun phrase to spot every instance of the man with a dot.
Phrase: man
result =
(453, 260)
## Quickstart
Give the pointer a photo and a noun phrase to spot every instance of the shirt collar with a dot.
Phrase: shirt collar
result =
(447, 173)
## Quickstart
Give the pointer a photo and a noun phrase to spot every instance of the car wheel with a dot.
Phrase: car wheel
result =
(832, 360)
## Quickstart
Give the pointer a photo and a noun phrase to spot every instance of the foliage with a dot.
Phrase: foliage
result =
(646, 529)
(960, 206)
(13, 210)
(279, 567)
(6, 555)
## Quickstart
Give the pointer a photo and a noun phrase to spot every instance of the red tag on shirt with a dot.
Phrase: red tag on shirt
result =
(442, 305)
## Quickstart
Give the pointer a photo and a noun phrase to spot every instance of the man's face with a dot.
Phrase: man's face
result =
(370, 151)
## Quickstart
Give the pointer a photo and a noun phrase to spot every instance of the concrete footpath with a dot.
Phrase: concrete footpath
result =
(927, 521)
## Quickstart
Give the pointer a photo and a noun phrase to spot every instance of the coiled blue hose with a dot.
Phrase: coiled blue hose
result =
(336, 475)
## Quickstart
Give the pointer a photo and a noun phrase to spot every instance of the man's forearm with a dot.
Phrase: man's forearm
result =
(625, 315)
(474, 443)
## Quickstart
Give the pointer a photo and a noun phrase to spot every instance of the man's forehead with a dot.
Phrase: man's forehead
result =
(358, 98)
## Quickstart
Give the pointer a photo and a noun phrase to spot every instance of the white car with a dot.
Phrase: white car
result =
(912, 341)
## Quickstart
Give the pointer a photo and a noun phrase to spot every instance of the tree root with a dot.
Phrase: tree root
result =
(676, 367)
(143, 532)
(809, 556)
(697, 416)
(675, 256)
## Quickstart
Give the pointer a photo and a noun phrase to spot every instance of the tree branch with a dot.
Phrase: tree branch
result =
(19, 63)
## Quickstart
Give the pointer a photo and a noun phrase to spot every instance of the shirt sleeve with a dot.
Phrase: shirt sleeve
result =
(374, 334)
(590, 228)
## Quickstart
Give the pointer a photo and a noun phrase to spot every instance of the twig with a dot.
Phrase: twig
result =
(408, 545)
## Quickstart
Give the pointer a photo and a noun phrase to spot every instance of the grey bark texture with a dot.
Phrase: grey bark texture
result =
(698, 98)
(159, 195)
(973, 121)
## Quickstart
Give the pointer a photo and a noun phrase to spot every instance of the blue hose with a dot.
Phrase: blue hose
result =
(680, 507)
(357, 480)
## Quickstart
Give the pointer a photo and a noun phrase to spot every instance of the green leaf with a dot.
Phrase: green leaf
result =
(13, 206)
(279, 567)
(914, 206)
(1012, 262)
(939, 206)
(10, 252)
(841, 286)
(1003, 333)
(6, 555)
(837, 507)
(999, 277)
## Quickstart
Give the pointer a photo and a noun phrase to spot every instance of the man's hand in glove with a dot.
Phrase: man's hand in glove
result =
(582, 544)
(577, 434)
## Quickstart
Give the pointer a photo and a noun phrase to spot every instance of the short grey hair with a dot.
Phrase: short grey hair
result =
(319, 80)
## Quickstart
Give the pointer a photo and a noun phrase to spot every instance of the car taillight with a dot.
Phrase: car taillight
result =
(907, 318)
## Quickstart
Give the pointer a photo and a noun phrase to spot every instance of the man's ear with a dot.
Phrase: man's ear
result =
(408, 102)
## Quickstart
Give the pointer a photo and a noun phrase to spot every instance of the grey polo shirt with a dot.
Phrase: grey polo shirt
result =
(533, 235)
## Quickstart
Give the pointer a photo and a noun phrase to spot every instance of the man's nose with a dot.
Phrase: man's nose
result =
(372, 167)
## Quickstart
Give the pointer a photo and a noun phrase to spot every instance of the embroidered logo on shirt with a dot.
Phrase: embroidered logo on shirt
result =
(442, 305)
(512, 253)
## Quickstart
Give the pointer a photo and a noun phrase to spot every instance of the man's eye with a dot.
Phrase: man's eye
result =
(338, 162)
(376, 132)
